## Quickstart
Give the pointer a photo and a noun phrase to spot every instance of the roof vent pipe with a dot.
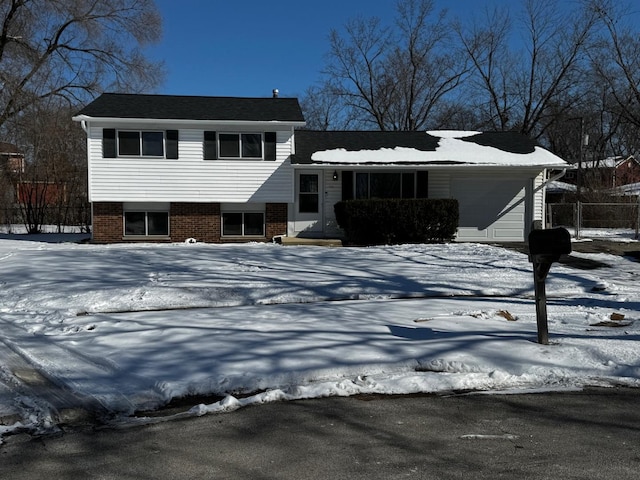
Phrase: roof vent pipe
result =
(275, 93)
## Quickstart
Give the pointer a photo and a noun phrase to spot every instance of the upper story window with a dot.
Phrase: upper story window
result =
(250, 146)
(240, 145)
(140, 143)
(136, 143)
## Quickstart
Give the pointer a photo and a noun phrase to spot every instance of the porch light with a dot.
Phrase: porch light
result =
(335, 175)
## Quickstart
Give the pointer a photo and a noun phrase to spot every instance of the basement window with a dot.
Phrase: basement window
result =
(146, 223)
(243, 224)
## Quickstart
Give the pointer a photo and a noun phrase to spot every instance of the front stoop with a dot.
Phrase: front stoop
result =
(323, 242)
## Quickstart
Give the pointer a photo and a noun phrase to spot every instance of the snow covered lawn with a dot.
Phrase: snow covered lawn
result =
(134, 326)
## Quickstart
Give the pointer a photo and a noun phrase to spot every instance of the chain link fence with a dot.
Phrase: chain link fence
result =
(599, 218)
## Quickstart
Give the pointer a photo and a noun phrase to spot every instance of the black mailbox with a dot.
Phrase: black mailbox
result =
(548, 245)
(545, 247)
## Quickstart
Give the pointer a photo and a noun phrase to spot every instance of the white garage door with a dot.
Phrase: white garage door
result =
(491, 210)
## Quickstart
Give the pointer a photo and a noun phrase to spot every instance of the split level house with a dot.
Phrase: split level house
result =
(221, 169)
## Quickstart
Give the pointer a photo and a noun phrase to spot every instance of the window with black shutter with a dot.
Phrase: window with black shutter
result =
(347, 185)
(270, 146)
(422, 184)
(172, 144)
(210, 146)
(109, 143)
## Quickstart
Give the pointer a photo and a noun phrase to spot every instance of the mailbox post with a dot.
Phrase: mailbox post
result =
(545, 247)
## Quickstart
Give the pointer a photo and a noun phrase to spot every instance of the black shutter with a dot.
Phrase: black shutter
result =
(109, 142)
(422, 184)
(210, 146)
(347, 185)
(172, 144)
(270, 146)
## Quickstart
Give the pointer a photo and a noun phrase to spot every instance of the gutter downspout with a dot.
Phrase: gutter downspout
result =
(85, 127)
(549, 180)
(543, 185)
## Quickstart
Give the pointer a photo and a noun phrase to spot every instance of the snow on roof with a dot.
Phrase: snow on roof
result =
(451, 147)
(560, 187)
(609, 162)
(630, 189)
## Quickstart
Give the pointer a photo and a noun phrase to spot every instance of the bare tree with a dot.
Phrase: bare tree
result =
(392, 77)
(428, 70)
(324, 109)
(487, 47)
(526, 89)
(616, 62)
(51, 188)
(73, 49)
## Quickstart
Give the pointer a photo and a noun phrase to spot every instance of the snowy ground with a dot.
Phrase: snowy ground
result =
(134, 326)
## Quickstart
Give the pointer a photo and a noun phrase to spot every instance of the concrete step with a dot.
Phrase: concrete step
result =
(323, 242)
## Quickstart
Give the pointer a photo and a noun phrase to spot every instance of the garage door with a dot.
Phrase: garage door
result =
(491, 210)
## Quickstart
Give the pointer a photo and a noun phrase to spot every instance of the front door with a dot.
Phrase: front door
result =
(308, 205)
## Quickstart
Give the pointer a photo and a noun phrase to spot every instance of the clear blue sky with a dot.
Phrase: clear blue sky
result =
(248, 48)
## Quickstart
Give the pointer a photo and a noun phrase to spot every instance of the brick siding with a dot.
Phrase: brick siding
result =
(276, 219)
(186, 220)
(107, 222)
(195, 220)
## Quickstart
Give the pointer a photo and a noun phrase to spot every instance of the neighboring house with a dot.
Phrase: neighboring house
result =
(41, 193)
(24, 191)
(560, 192)
(218, 169)
(11, 159)
(11, 168)
(608, 173)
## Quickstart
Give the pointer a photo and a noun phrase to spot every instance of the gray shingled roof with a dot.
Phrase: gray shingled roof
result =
(309, 141)
(182, 107)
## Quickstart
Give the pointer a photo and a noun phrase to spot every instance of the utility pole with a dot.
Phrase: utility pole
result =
(579, 176)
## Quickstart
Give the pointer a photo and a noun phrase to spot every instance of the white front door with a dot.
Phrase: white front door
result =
(308, 218)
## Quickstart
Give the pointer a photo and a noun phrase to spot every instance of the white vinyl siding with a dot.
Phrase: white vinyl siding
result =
(539, 196)
(333, 194)
(190, 145)
(190, 178)
(439, 184)
(284, 146)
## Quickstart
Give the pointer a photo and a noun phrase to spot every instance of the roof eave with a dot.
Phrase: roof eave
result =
(185, 121)
(443, 164)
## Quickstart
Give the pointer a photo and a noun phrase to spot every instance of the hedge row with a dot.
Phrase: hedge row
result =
(394, 221)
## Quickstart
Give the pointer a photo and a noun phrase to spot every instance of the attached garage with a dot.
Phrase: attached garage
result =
(492, 209)
(498, 178)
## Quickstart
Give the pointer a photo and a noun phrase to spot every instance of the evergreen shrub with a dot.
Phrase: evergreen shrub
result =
(395, 221)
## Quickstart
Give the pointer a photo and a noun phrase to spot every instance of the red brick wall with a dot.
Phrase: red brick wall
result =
(276, 219)
(107, 222)
(186, 220)
(195, 220)
(627, 173)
